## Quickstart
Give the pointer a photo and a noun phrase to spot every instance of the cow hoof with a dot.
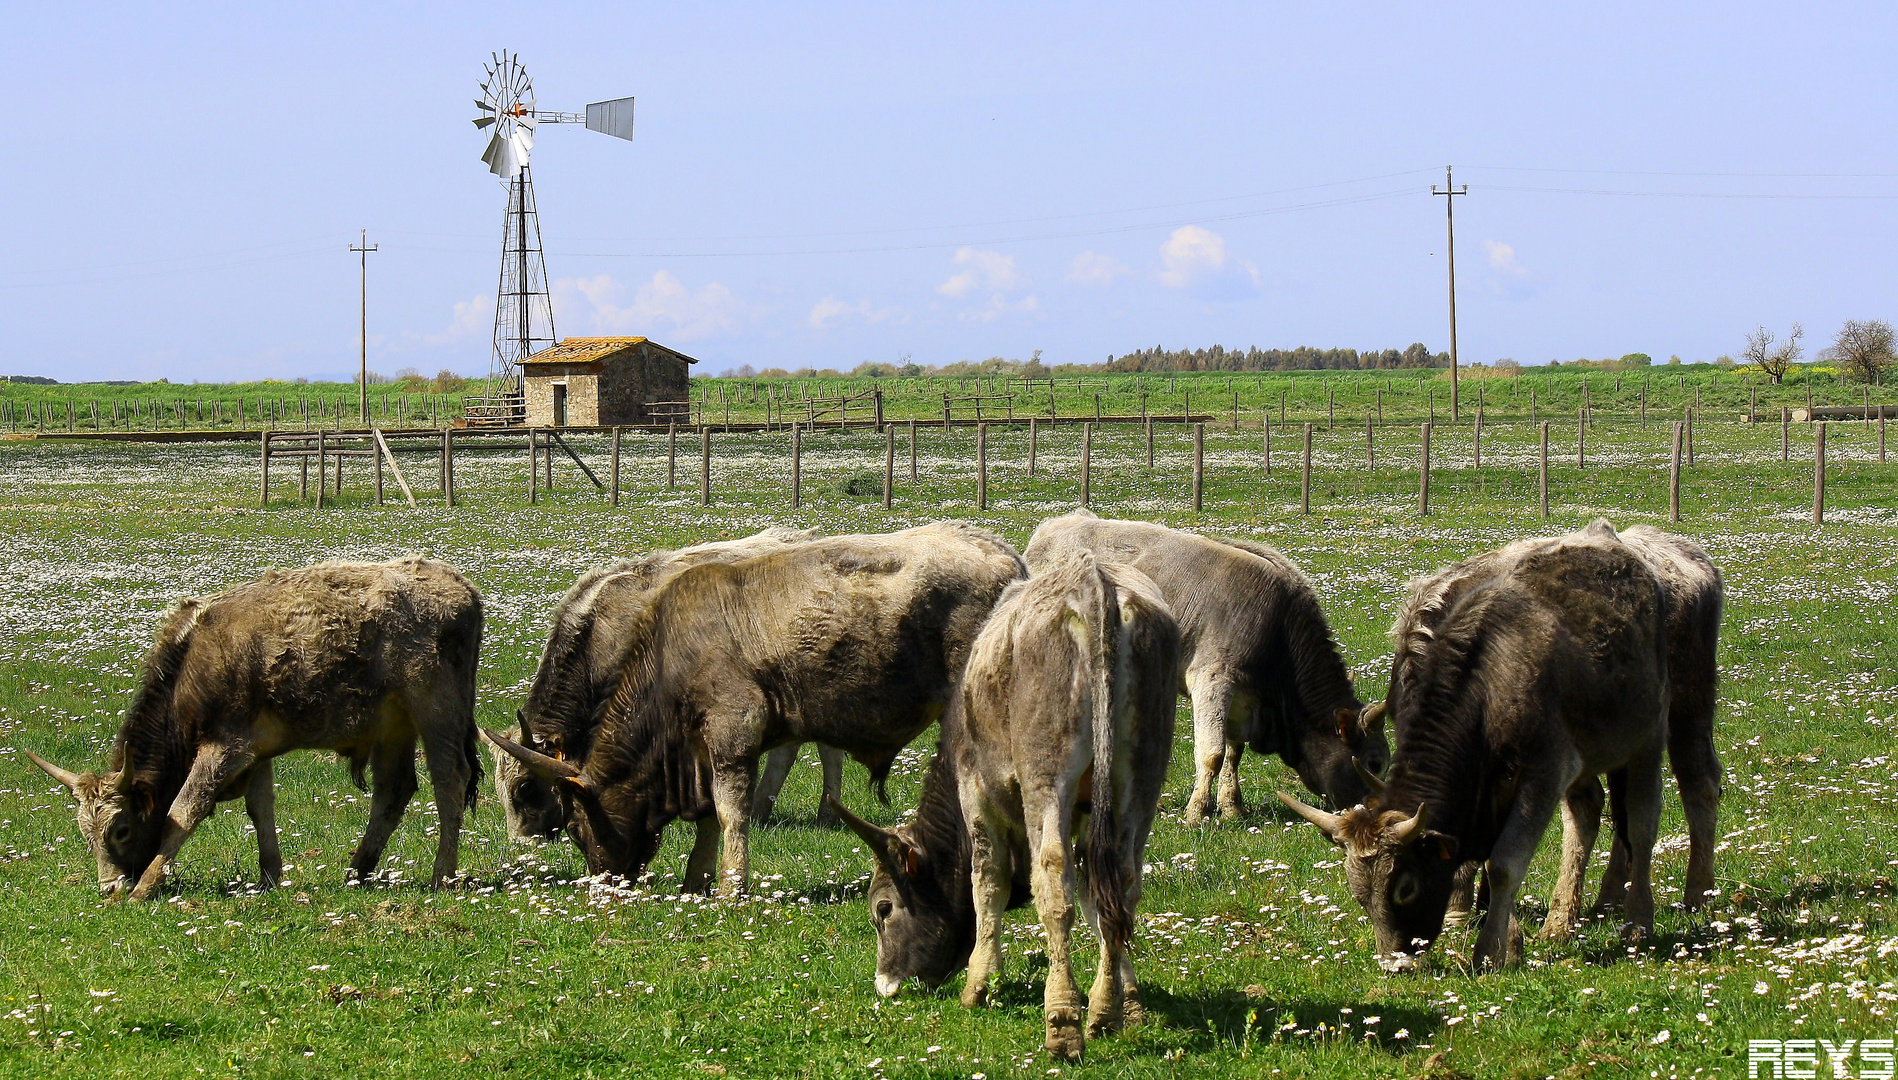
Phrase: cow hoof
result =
(1231, 810)
(1558, 927)
(1064, 1042)
(1132, 1013)
(827, 819)
(1635, 933)
(1104, 1022)
(976, 996)
(1195, 817)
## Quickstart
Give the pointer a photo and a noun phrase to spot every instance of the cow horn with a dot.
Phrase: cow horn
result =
(1370, 778)
(882, 841)
(1412, 827)
(1328, 823)
(66, 777)
(552, 770)
(1371, 718)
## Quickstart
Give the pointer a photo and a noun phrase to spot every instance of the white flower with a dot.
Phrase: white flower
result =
(1660, 1037)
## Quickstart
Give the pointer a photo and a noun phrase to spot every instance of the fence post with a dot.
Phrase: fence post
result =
(705, 466)
(263, 497)
(1476, 439)
(1819, 474)
(1423, 473)
(981, 466)
(912, 451)
(533, 466)
(1034, 437)
(1331, 407)
(1370, 448)
(1199, 466)
(448, 465)
(373, 448)
(1304, 486)
(672, 454)
(1785, 430)
(1674, 478)
(1581, 440)
(1544, 482)
(1752, 404)
(889, 463)
(1087, 460)
(303, 472)
(1881, 434)
(1689, 433)
(1149, 442)
(797, 465)
(613, 467)
(322, 469)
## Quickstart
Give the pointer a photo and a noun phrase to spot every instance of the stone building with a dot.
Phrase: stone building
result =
(603, 381)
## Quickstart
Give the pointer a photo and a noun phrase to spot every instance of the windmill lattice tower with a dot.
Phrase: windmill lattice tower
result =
(523, 307)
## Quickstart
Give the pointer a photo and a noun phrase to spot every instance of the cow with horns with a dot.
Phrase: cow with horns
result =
(1065, 710)
(849, 641)
(1527, 681)
(360, 658)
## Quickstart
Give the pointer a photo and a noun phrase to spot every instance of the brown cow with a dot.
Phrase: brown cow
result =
(360, 658)
(1548, 671)
(1066, 709)
(848, 641)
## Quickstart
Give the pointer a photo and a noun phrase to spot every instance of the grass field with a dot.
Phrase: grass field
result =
(1254, 960)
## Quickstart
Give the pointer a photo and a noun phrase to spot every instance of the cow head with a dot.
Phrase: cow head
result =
(611, 825)
(923, 933)
(1332, 759)
(118, 816)
(1399, 869)
(534, 811)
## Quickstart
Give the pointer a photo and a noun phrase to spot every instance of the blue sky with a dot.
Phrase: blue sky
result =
(825, 186)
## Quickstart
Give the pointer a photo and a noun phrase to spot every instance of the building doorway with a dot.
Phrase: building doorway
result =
(560, 405)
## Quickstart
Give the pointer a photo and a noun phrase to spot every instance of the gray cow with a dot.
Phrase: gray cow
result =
(360, 658)
(1066, 709)
(1259, 661)
(848, 641)
(1694, 599)
(581, 665)
(1545, 672)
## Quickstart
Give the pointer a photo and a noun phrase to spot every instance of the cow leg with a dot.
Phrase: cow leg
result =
(1614, 879)
(1231, 803)
(1581, 821)
(1507, 867)
(832, 761)
(211, 771)
(1643, 825)
(1212, 696)
(392, 784)
(991, 875)
(1697, 771)
(1462, 905)
(444, 748)
(260, 802)
(1052, 877)
(704, 858)
(731, 795)
(777, 766)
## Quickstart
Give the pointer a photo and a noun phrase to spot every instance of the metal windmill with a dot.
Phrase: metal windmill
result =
(523, 310)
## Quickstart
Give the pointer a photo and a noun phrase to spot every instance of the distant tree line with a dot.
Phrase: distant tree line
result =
(1303, 358)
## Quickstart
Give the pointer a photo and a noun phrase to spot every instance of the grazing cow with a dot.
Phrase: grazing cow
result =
(581, 664)
(360, 658)
(1066, 708)
(1259, 662)
(848, 641)
(1533, 679)
(1694, 599)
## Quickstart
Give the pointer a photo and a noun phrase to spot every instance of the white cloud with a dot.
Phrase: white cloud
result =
(830, 313)
(999, 306)
(473, 319)
(1191, 254)
(1096, 270)
(982, 271)
(661, 306)
(1502, 257)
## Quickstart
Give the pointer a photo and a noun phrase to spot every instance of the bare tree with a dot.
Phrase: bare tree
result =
(1770, 355)
(1864, 349)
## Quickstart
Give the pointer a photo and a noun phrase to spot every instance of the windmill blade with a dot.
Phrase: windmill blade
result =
(501, 158)
(483, 105)
(527, 120)
(613, 117)
(483, 121)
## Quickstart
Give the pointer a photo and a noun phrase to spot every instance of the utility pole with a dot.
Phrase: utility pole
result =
(1449, 193)
(362, 375)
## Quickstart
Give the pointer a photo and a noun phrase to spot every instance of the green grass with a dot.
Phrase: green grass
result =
(1254, 961)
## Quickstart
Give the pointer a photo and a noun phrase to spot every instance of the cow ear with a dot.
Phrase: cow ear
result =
(1434, 844)
(906, 856)
(1347, 724)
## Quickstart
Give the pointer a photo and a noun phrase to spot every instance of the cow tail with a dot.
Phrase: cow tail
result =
(1103, 858)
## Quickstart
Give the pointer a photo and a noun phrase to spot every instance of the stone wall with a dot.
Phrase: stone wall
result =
(583, 399)
(633, 379)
